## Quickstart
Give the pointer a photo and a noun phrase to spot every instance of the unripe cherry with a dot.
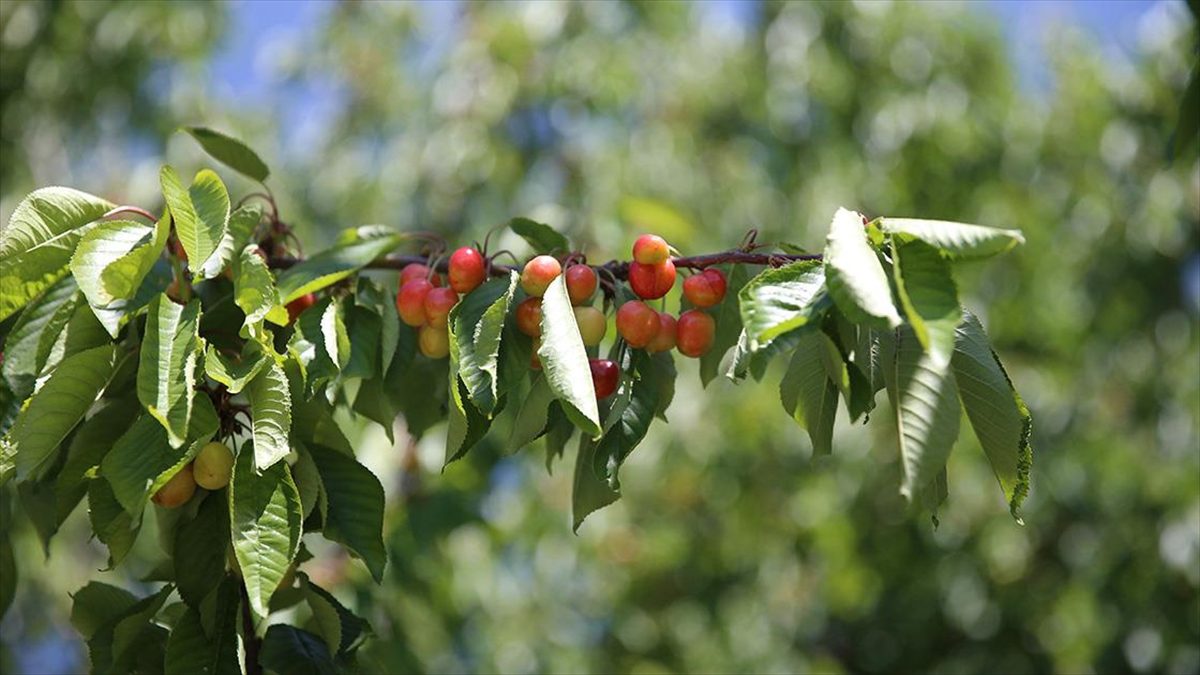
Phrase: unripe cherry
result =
(410, 302)
(438, 302)
(637, 323)
(529, 317)
(705, 289)
(296, 307)
(434, 342)
(538, 274)
(651, 281)
(177, 491)
(664, 340)
(213, 466)
(581, 283)
(605, 377)
(418, 271)
(651, 249)
(592, 325)
(467, 270)
(694, 333)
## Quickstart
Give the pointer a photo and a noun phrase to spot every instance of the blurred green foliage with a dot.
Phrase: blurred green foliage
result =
(732, 550)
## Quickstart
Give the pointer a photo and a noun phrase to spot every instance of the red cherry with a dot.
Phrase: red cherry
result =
(538, 274)
(529, 317)
(410, 302)
(416, 271)
(605, 377)
(664, 340)
(651, 281)
(297, 306)
(705, 289)
(581, 283)
(438, 302)
(637, 323)
(695, 332)
(651, 249)
(467, 270)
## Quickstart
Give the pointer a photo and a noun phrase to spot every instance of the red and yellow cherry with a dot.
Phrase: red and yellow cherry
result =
(529, 317)
(538, 274)
(467, 269)
(651, 281)
(213, 466)
(664, 340)
(694, 333)
(651, 249)
(605, 377)
(637, 323)
(592, 325)
(418, 271)
(410, 302)
(177, 491)
(581, 283)
(535, 362)
(438, 302)
(705, 289)
(297, 306)
(434, 342)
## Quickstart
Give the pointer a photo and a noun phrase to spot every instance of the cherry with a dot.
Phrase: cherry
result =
(695, 332)
(467, 270)
(177, 491)
(529, 317)
(213, 466)
(581, 283)
(538, 274)
(438, 302)
(605, 377)
(637, 323)
(173, 292)
(410, 302)
(705, 289)
(651, 281)
(418, 271)
(297, 306)
(651, 249)
(664, 340)
(434, 342)
(592, 325)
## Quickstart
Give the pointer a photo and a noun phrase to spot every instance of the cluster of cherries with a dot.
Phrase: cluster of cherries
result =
(425, 304)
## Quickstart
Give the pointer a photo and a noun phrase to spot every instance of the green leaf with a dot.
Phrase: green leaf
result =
(559, 431)
(98, 604)
(190, 649)
(342, 630)
(781, 300)
(240, 232)
(533, 415)
(236, 374)
(266, 522)
(200, 549)
(626, 430)
(8, 561)
(929, 296)
(111, 261)
(729, 323)
(541, 237)
(476, 324)
(808, 393)
(58, 406)
(290, 650)
(324, 343)
(958, 240)
(855, 277)
(231, 152)
(200, 213)
(129, 634)
(111, 523)
(89, 444)
(466, 425)
(21, 365)
(74, 328)
(37, 244)
(590, 491)
(254, 290)
(565, 360)
(927, 412)
(997, 413)
(355, 506)
(271, 414)
(331, 266)
(167, 366)
(363, 329)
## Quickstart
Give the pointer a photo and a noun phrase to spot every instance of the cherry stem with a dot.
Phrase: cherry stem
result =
(126, 208)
